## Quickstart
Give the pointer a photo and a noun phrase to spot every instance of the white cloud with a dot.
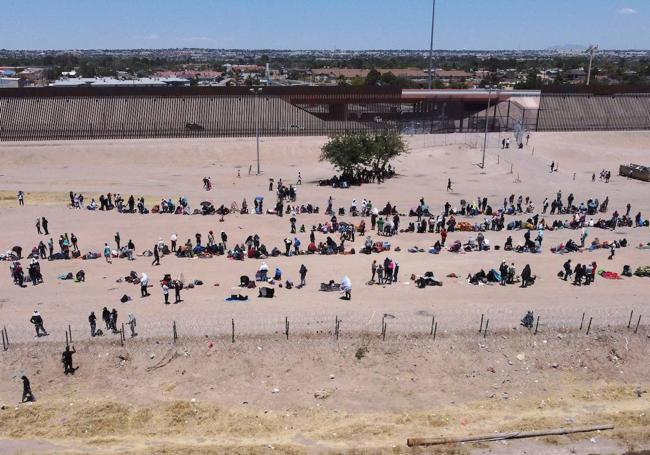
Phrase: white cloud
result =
(627, 11)
(198, 39)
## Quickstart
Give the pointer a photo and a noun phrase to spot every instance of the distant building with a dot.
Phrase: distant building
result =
(10, 82)
(113, 82)
(35, 76)
(202, 75)
(452, 76)
(576, 75)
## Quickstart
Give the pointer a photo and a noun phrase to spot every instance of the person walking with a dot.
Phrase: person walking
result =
(117, 240)
(28, 396)
(37, 320)
(224, 240)
(107, 253)
(156, 255)
(567, 269)
(44, 224)
(449, 182)
(38, 226)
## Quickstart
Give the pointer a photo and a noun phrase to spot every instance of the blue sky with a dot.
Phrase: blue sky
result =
(322, 24)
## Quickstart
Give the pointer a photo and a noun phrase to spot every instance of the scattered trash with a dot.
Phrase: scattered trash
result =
(322, 394)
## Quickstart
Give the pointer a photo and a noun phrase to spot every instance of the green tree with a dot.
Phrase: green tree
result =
(358, 81)
(352, 152)
(373, 77)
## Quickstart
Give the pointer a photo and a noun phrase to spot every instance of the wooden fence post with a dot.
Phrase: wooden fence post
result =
(637, 324)
(629, 322)
(233, 330)
(480, 329)
(487, 323)
(589, 326)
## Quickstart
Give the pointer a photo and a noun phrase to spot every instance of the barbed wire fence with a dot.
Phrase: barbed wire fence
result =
(447, 323)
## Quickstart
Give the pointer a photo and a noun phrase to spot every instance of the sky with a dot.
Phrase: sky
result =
(323, 24)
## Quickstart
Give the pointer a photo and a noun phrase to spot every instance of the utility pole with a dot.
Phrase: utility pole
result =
(433, 18)
(487, 119)
(256, 93)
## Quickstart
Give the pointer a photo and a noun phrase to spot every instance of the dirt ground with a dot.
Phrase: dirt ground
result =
(405, 386)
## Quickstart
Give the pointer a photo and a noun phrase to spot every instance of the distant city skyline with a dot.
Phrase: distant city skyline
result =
(323, 24)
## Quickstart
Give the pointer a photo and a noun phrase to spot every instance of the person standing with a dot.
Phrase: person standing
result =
(21, 198)
(178, 285)
(106, 317)
(38, 226)
(113, 318)
(144, 282)
(173, 239)
(165, 291)
(28, 396)
(92, 320)
(373, 269)
(395, 271)
(117, 240)
(132, 324)
(44, 224)
(303, 274)
(66, 359)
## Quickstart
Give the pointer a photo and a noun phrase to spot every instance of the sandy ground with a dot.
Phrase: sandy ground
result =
(157, 168)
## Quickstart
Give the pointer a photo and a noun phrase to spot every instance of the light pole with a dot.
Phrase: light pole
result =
(256, 92)
(591, 51)
(433, 17)
(487, 119)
